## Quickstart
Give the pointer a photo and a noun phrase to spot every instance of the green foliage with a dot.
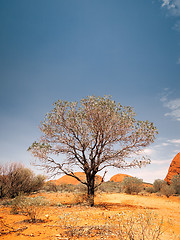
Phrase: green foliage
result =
(157, 185)
(175, 183)
(132, 185)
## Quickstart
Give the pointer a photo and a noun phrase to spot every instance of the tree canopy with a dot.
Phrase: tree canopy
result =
(93, 134)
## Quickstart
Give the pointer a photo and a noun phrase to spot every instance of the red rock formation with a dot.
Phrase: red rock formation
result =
(70, 180)
(119, 177)
(174, 168)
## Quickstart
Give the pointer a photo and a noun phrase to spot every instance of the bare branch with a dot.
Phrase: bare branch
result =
(96, 134)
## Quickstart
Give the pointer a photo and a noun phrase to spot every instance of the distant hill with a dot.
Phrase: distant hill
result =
(174, 168)
(70, 180)
(119, 177)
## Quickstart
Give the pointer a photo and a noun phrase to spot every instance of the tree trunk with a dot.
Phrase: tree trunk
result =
(91, 183)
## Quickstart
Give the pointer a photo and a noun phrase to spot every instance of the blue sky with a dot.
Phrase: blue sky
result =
(69, 49)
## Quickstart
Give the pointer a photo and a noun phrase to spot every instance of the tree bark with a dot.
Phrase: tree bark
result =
(91, 185)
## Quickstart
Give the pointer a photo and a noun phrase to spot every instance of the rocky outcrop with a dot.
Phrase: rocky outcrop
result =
(71, 180)
(119, 177)
(174, 168)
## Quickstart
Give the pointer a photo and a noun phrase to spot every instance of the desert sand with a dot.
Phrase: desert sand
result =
(64, 219)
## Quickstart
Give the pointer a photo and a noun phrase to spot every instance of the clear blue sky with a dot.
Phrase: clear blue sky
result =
(69, 49)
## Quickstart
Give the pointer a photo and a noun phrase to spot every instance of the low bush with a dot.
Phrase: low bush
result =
(110, 187)
(50, 187)
(157, 185)
(124, 225)
(167, 190)
(132, 185)
(175, 183)
(150, 190)
(27, 206)
(66, 187)
(15, 179)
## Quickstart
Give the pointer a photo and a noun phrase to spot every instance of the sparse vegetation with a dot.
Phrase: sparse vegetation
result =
(150, 190)
(124, 226)
(132, 185)
(167, 190)
(105, 221)
(50, 187)
(157, 185)
(28, 206)
(110, 187)
(15, 179)
(175, 183)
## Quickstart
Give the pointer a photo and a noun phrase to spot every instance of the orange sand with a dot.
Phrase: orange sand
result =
(50, 226)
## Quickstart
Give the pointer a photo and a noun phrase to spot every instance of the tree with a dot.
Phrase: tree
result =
(95, 134)
(132, 185)
(157, 185)
(175, 183)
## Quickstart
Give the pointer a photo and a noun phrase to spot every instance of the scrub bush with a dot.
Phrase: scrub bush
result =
(157, 185)
(27, 206)
(175, 183)
(132, 185)
(110, 187)
(167, 190)
(15, 179)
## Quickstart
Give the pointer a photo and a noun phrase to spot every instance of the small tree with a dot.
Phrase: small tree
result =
(157, 185)
(93, 135)
(132, 185)
(175, 183)
(167, 190)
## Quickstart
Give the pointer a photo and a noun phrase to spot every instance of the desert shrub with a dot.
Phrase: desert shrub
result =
(150, 190)
(157, 185)
(167, 190)
(15, 179)
(3, 182)
(66, 188)
(80, 198)
(175, 183)
(37, 183)
(132, 185)
(110, 187)
(27, 206)
(129, 226)
(50, 187)
(80, 188)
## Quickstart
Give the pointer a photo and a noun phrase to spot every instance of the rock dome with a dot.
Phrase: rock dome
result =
(119, 177)
(174, 168)
(71, 180)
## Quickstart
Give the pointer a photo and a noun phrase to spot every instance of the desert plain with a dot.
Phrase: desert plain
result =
(66, 216)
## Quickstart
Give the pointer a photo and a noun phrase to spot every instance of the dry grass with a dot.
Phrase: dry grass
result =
(113, 215)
